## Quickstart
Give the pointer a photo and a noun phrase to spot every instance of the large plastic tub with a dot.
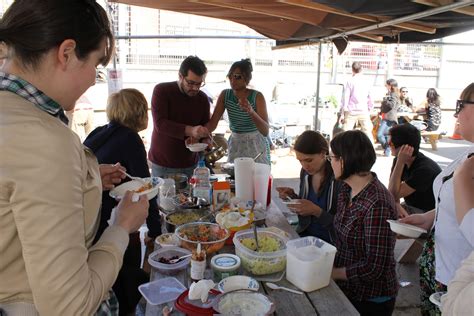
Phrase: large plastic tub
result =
(309, 263)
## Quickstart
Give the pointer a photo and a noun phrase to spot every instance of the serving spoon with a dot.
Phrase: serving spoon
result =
(274, 286)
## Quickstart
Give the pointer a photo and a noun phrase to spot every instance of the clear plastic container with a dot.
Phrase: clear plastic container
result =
(168, 252)
(167, 194)
(261, 263)
(309, 263)
(162, 291)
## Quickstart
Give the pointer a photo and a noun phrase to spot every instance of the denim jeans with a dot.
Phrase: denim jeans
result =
(159, 171)
(382, 133)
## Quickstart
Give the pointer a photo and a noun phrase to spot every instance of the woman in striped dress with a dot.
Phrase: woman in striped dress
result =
(248, 118)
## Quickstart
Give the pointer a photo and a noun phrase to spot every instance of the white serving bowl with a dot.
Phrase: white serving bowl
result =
(405, 229)
(197, 147)
(119, 191)
(237, 282)
(244, 303)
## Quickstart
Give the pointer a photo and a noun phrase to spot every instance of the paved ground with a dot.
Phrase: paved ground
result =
(285, 171)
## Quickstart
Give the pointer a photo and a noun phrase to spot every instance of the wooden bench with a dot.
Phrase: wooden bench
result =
(433, 138)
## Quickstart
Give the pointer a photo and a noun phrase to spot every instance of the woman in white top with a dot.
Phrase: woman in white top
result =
(451, 238)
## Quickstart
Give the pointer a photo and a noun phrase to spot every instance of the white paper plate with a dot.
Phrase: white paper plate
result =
(133, 185)
(435, 298)
(197, 147)
(405, 229)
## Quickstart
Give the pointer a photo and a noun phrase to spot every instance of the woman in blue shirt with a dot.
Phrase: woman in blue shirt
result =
(316, 202)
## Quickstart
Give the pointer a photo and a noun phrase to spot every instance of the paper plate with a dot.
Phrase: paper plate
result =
(197, 147)
(435, 298)
(405, 229)
(135, 185)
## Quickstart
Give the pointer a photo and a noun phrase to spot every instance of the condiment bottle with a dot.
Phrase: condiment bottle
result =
(198, 264)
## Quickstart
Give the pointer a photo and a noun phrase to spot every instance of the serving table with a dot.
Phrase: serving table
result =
(326, 301)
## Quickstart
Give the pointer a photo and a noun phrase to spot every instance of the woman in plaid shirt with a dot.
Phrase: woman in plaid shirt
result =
(364, 266)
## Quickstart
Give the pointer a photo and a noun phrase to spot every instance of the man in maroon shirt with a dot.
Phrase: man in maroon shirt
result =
(180, 111)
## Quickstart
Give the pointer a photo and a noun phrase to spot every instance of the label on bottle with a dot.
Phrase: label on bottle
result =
(197, 269)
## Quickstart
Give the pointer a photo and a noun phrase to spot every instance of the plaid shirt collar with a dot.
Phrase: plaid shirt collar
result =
(27, 91)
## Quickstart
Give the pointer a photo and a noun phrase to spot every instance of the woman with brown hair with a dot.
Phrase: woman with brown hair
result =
(364, 266)
(316, 202)
(51, 186)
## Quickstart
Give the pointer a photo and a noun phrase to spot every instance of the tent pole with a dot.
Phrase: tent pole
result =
(316, 127)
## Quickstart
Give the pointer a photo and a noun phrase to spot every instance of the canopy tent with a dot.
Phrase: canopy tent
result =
(295, 22)
(299, 22)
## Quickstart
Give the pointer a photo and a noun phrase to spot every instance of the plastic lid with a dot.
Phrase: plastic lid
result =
(162, 291)
(195, 307)
(225, 262)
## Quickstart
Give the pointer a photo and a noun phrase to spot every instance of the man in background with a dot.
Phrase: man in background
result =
(357, 103)
(180, 110)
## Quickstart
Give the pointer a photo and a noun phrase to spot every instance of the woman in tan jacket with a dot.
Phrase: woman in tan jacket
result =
(50, 185)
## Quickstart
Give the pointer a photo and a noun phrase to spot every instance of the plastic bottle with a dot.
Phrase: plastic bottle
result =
(202, 185)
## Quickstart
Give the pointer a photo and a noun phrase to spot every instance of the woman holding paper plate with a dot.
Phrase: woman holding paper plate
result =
(50, 183)
(450, 237)
(248, 118)
(316, 202)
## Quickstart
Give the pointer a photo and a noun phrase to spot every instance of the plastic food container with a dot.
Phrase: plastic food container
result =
(168, 252)
(225, 265)
(261, 263)
(309, 263)
(162, 291)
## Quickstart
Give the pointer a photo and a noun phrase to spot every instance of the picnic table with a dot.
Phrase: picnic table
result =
(326, 301)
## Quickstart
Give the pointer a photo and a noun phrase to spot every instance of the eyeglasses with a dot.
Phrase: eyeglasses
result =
(404, 91)
(236, 77)
(194, 84)
(332, 157)
(460, 105)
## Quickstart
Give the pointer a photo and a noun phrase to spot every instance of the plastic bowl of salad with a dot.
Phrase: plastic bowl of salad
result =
(211, 236)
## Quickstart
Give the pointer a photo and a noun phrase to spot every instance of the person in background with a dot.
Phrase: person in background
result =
(51, 184)
(364, 266)
(458, 300)
(357, 102)
(432, 109)
(448, 242)
(248, 118)
(406, 104)
(412, 173)
(180, 111)
(119, 141)
(389, 109)
(317, 199)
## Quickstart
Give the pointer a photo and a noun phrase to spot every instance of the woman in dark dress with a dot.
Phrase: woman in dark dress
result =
(118, 141)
